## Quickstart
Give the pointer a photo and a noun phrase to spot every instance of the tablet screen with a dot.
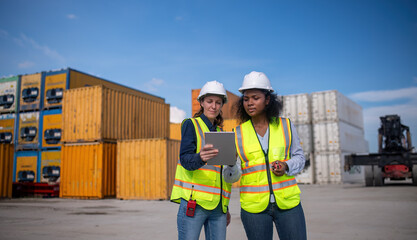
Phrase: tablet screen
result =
(225, 142)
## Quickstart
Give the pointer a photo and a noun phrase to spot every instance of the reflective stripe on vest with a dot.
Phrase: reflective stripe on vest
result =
(202, 188)
(206, 179)
(254, 185)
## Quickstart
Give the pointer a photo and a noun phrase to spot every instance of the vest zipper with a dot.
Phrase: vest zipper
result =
(221, 187)
(268, 172)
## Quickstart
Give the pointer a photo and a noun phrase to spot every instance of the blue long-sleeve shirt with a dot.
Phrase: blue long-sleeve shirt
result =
(189, 159)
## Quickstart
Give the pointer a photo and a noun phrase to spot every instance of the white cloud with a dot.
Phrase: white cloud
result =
(71, 16)
(45, 49)
(26, 64)
(154, 84)
(385, 95)
(407, 111)
(176, 115)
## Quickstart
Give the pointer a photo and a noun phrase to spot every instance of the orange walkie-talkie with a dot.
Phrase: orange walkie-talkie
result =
(191, 205)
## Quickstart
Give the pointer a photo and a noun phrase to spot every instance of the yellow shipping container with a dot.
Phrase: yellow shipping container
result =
(175, 131)
(6, 170)
(146, 168)
(26, 166)
(99, 113)
(227, 109)
(52, 129)
(50, 166)
(58, 81)
(88, 170)
(230, 124)
(7, 125)
(28, 131)
(30, 92)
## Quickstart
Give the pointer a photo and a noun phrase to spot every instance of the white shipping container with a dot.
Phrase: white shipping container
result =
(334, 106)
(297, 108)
(338, 136)
(306, 176)
(329, 168)
(304, 132)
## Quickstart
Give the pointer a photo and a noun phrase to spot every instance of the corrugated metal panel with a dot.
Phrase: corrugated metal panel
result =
(26, 165)
(55, 84)
(146, 168)
(99, 113)
(88, 170)
(175, 131)
(329, 169)
(334, 106)
(52, 128)
(7, 128)
(6, 170)
(297, 108)
(306, 176)
(31, 92)
(195, 105)
(79, 79)
(29, 131)
(305, 134)
(227, 109)
(9, 94)
(338, 136)
(50, 166)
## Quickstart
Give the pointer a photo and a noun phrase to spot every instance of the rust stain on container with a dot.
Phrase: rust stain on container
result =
(6, 170)
(227, 109)
(146, 168)
(88, 170)
(99, 113)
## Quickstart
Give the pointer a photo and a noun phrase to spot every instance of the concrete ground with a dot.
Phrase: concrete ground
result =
(332, 212)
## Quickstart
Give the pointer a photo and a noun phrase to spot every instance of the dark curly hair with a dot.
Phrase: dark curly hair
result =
(273, 109)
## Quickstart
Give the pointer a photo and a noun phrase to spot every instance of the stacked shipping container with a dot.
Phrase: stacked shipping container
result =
(297, 108)
(338, 131)
(32, 118)
(94, 118)
(9, 98)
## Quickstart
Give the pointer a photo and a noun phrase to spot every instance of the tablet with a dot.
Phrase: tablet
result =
(225, 142)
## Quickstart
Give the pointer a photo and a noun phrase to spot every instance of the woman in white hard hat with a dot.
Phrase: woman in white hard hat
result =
(199, 188)
(270, 153)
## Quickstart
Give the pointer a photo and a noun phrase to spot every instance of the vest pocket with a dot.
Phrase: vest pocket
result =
(278, 153)
(289, 193)
(205, 183)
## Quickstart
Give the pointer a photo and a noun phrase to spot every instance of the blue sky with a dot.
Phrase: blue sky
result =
(366, 49)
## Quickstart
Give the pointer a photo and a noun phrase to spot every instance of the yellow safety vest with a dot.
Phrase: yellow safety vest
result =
(207, 180)
(255, 188)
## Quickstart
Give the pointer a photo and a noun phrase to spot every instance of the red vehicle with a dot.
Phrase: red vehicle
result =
(395, 159)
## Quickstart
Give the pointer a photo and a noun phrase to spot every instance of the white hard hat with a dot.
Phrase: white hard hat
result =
(213, 87)
(256, 80)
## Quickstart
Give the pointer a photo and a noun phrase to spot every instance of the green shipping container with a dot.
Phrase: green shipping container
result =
(9, 94)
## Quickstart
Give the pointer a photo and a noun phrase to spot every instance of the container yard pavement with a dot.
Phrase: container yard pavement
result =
(348, 211)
